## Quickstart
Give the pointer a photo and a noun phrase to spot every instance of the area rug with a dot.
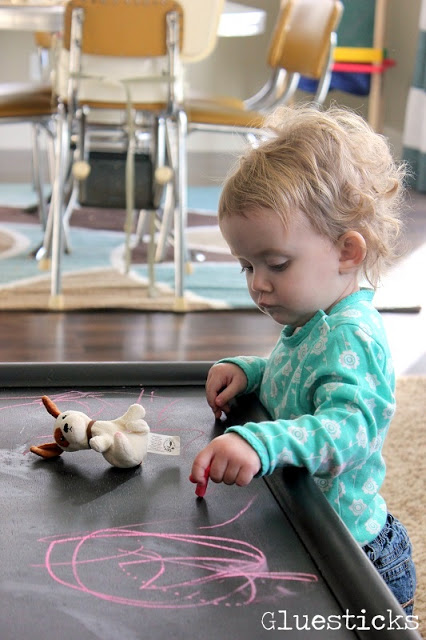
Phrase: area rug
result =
(404, 487)
(93, 274)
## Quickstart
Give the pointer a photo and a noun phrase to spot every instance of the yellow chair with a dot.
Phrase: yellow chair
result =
(120, 79)
(32, 103)
(302, 43)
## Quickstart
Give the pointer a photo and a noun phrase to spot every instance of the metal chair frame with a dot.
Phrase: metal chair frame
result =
(163, 124)
(72, 131)
(289, 56)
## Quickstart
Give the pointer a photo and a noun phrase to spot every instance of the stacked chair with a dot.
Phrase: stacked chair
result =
(119, 79)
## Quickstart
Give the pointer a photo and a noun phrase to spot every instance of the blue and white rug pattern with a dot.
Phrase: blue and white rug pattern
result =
(93, 252)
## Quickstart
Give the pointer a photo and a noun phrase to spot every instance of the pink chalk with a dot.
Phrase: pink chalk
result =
(200, 489)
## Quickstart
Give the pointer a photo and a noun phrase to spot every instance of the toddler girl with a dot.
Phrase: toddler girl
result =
(308, 213)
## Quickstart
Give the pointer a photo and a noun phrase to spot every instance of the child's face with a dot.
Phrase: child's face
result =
(291, 273)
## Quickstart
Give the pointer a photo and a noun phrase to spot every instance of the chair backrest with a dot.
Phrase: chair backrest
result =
(133, 28)
(301, 38)
(201, 28)
(127, 39)
(121, 29)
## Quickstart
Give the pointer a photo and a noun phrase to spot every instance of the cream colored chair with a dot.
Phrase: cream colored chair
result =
(120, 78)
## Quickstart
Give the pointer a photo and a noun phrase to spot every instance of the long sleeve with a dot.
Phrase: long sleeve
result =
(253, 367)
(345, 402)
(329, 389)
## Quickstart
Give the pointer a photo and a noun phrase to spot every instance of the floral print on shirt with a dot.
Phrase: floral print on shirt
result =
(329, 389)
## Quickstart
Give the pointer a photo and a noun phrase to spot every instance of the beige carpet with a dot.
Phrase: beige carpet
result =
(405, 484)
(98, 289)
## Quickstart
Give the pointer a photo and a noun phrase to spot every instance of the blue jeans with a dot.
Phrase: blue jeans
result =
(390, 553)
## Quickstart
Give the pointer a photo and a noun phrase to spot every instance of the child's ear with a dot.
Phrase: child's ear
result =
(353, 250)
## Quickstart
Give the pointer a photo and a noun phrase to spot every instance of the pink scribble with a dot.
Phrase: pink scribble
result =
(162, 570)
(238, 515)
(150, 565)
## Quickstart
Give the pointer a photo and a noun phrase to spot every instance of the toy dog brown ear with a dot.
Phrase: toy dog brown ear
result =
(50, 406)
(48, 450)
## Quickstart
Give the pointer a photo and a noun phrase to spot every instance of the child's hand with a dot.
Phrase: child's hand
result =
(224, 382)
(231, 460)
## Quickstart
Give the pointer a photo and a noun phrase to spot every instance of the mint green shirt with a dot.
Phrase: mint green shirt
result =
(329, 388)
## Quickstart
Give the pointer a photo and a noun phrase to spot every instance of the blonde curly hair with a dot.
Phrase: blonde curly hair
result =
(331, 166)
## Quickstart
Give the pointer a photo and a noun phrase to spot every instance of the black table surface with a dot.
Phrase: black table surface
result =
(94, 552)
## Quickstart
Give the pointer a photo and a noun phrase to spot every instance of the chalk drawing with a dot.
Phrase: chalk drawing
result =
(165, 570)
(151, 565)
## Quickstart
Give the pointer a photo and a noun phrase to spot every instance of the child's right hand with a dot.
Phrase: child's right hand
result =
(229, 459)
(224, 381)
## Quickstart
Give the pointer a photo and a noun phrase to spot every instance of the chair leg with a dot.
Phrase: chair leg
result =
(130, 193)
(159, 157)
(157, 187)
(78, 169)
(141, 227)
(50, 133)
(180, 215)
(151, 254)
(44, 254)
(71, 205)
(62, 157)
(325, 80)
(166, 226)
(38, 181)
(166, 222)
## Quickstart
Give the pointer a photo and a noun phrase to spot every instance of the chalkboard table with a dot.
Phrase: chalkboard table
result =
(89, 551)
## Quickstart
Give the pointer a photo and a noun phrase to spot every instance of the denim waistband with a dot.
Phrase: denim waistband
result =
(392, 540)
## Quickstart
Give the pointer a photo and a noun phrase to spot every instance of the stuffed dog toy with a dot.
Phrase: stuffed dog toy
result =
(123, 442)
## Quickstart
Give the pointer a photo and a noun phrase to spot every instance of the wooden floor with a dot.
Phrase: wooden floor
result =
(138, 336)
(133, 336)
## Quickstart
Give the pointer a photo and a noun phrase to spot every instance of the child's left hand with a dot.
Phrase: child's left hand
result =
(230, 458)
